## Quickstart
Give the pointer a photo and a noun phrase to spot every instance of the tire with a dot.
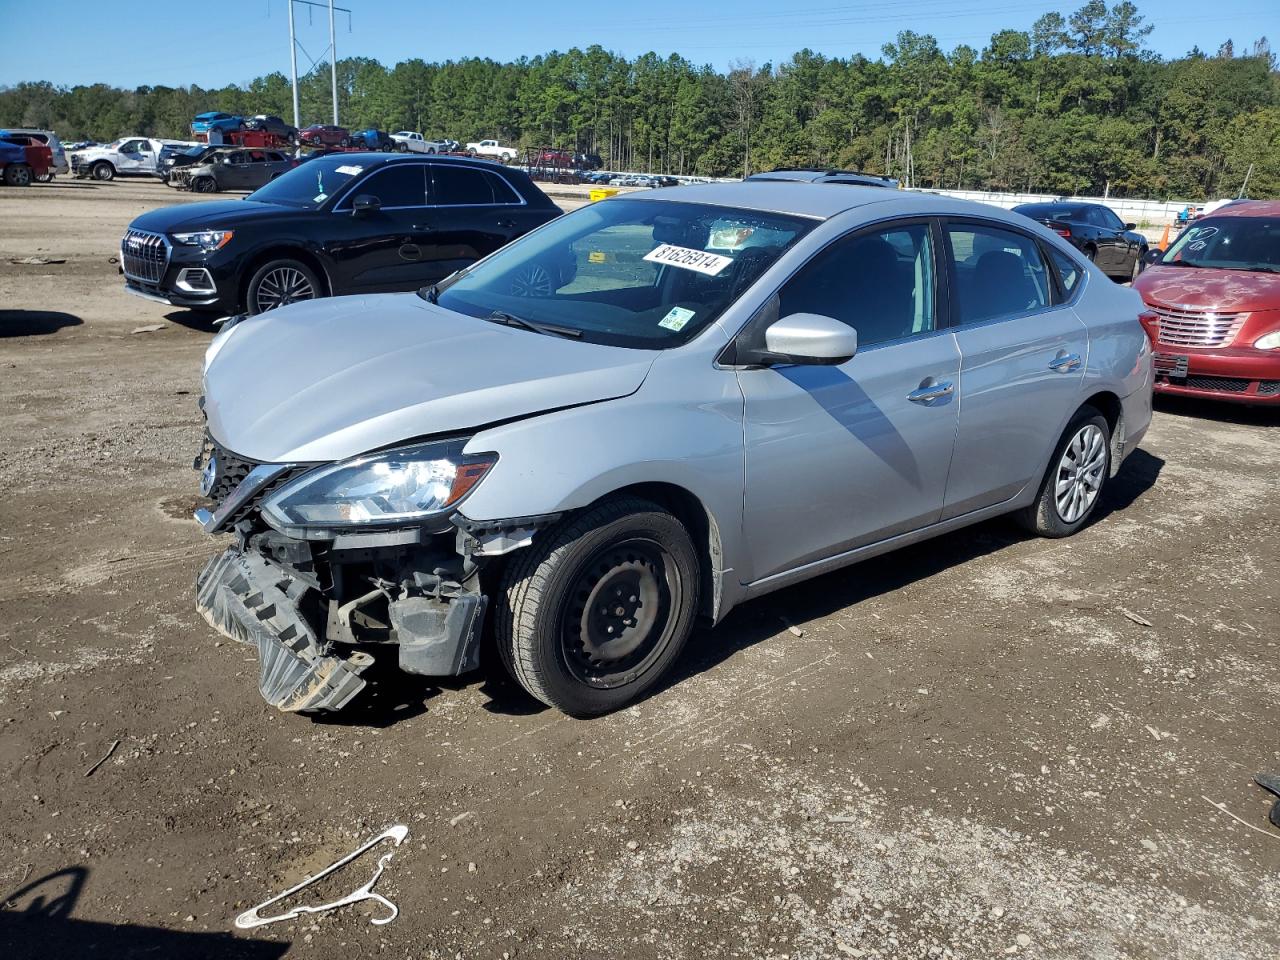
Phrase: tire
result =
(471, 153)
(1057, 513)
(17, 175)
(204, 185)
(344, 142)
(278, 283)
(551, 628)
(507, 157)
(102, 170)
(401, 147)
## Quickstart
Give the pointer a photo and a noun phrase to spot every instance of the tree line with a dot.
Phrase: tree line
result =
(1077, 104)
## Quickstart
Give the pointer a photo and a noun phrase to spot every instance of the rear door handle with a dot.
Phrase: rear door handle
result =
(1065, 362)
(931, 390)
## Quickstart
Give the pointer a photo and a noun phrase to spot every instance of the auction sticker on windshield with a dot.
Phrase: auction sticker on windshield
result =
(686, 259)
(676, 318)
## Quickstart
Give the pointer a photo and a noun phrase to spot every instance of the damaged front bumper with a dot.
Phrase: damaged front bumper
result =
(317, 627)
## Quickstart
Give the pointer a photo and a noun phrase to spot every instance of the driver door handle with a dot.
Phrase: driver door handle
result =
(506, 224)
(421, 226)
(931, 390)
(1065, 362)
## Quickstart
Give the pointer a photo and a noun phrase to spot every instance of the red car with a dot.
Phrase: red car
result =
(325, 135)
(1214, 307)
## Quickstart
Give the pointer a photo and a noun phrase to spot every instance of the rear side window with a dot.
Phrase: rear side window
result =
(1069, 272)
(998, 273)
(399, 185)
(502, 192)
(459, 186)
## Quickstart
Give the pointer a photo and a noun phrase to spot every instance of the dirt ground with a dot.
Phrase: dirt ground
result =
(973, 748)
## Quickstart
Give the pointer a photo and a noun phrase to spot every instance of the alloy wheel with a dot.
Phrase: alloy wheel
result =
(532, 281)
(281, 286)
(1080, 473)
(617, 618)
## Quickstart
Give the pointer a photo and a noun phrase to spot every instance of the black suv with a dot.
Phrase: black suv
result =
(1096, 232)
(815, 175)
(339, 224)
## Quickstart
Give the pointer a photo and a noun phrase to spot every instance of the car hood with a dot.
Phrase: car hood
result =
(334, 378)
(208, 215)
(1207, 288)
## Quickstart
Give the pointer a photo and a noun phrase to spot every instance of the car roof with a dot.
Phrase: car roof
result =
(371, 158)
(814, 175)
(1247, 208)
(825, 200)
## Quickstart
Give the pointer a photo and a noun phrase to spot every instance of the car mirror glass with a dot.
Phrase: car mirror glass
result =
(809, 338)
(364, 205)
(1131, 226)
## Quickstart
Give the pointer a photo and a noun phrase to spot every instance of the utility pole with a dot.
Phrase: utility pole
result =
(333, 54)
(1245, 186)
(293, 68)
(333, 65)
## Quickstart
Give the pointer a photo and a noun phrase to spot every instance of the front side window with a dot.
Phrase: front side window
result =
(1228, 243)
(880, 283)
(633, 273)
(998, 273)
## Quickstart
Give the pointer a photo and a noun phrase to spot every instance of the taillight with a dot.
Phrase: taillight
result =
(1061, 231)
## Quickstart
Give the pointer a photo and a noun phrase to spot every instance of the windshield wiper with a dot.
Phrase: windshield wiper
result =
(431, 293)
(549, 329)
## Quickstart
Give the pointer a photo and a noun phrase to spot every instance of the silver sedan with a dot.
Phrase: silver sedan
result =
(642, 415)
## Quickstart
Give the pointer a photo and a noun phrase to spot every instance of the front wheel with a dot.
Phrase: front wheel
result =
(204, 185)
(103, 171)
(595, 612)
(1073, 484)
(279, 283)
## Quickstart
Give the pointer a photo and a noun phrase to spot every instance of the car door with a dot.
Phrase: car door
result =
(1110, 241)
(838, 457)
(383, 250)
(1124, 247)
(473, 212)
(131, 157)
(1023, 353)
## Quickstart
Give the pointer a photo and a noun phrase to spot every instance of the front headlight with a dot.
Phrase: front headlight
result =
(1268, 341)
(395, 487)
(206, 240)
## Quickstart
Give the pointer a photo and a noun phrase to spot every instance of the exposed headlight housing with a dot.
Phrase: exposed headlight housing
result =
(1268, 341)
(394, 488)
(206, 240)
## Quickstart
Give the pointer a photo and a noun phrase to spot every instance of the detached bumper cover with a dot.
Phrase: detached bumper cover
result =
(249, 599)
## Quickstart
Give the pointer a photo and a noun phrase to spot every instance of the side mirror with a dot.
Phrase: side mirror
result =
(364, 205)
(808, 338)
(1152, 256)
(1131, 226)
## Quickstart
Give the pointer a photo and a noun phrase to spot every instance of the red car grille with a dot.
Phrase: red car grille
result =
(1197, 328)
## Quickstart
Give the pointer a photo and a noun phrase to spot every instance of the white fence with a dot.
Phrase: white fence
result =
(1136, 211)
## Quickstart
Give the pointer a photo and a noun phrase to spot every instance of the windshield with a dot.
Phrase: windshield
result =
(1229, 243)
(1049, 211)
(311, 184)
(632, 273)
(194, 151)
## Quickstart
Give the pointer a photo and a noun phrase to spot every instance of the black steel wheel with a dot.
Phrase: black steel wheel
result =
(280, 283)
(594, 612)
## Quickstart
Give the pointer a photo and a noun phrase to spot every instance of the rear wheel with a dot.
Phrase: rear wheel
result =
(278, 283)
(1073, 484)
(595, 612)
(103, 171)
(17, 175)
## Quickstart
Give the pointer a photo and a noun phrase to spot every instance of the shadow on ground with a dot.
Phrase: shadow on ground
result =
(201, 320)
(1237, 413)
(36, 922)
(35, 323)
(394, 696)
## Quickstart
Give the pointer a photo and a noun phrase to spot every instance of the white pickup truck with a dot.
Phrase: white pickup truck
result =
(492, 148)
(128, 155)
(409, 142)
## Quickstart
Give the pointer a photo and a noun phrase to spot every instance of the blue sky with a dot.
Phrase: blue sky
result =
(232, 41)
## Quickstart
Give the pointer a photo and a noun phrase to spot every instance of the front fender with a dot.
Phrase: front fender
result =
(683, 427)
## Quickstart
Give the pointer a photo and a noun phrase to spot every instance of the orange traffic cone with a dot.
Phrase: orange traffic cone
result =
(1164, 238)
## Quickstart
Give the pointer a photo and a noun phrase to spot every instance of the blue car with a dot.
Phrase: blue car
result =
(213, 120)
